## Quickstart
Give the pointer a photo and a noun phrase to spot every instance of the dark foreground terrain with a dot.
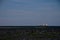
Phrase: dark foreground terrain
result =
(35, 33)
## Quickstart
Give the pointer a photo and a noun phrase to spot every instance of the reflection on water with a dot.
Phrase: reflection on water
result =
(29, 12)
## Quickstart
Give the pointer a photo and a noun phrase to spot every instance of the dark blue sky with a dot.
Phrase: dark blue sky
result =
(29, 12)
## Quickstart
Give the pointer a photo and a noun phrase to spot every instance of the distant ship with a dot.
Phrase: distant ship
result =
(44, 25)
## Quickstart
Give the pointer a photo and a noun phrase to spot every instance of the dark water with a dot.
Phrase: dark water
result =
(30, 34)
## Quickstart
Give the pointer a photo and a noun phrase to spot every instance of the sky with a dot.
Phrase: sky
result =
(29, 12)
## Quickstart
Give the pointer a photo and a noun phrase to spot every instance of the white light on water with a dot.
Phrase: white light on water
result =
(43, 24)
